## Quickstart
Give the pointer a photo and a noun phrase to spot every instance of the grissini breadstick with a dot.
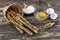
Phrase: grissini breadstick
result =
(19, 29)
(16, 26)
(26, 30)
(25, 20)
(26, 24)
(14, 7)
(14, 17)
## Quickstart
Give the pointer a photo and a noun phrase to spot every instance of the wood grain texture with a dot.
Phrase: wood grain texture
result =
(8, 32)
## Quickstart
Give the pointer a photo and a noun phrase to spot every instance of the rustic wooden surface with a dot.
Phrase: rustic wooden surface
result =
(8, 32)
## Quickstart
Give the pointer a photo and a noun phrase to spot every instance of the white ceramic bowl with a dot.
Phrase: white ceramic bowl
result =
(53, 16)
(50, 11)
(29, 10)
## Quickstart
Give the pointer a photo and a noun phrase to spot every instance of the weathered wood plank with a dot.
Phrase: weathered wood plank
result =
(8, 32)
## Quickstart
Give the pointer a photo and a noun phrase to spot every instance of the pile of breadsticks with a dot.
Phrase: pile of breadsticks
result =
(13, 14)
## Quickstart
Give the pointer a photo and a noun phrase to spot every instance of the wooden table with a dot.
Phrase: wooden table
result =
(8, 32)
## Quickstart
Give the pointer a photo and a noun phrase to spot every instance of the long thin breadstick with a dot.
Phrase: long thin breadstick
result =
(26, 30)
(15, 25)
(15, 18)
(26, 21)
(18, 28)
(26, 24)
